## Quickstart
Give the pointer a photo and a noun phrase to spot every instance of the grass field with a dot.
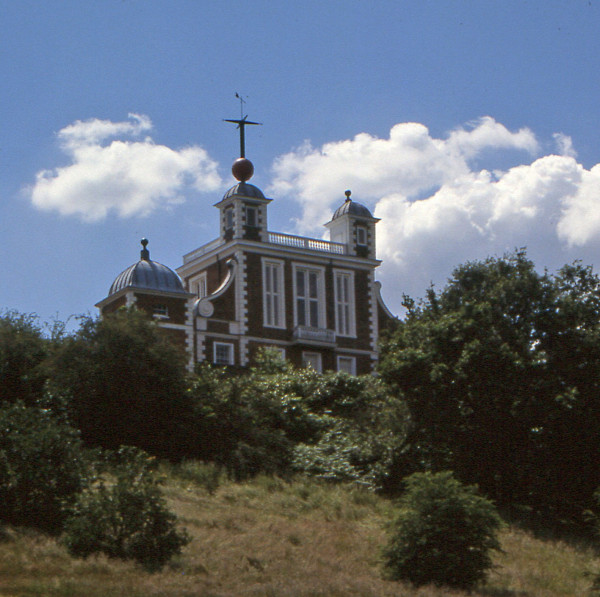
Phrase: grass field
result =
(272, 538)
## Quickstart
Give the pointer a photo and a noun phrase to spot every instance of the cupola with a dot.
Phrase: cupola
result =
(353, 225)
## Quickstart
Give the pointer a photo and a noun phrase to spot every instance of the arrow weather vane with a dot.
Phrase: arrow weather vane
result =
(241, 123)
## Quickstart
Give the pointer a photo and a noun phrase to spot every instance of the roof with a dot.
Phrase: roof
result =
(149, 275)
(245, 190)
(352, 208)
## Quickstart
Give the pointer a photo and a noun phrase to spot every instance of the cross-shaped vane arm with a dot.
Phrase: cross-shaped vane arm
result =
(241, 124)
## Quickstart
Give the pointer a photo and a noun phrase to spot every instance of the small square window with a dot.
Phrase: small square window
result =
(223, 353)
(312, 360)
(161, 311)
(346, 364)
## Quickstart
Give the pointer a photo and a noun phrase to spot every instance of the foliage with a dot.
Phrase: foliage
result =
(42, 467)
(125, 382)
(500, 371)
(444, 533)
(125, 516)
(274, 419)
(22, 352)
(361, 426)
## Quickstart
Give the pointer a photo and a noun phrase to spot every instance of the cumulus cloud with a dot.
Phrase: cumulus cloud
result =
(113, 170)
(442, 202)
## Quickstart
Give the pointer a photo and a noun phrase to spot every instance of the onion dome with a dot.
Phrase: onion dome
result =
(147, 274)
(352, 208)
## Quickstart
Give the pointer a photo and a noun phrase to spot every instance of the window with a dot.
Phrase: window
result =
(361, 236)
(251, 216)
(229, 218)
(346, 364)
(223, 353)
(344, 303)
(198, 286)
(160, 311)
(312, 360)
(273, 298)
(309, 305)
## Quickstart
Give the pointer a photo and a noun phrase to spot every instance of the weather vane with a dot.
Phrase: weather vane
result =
(241, 124)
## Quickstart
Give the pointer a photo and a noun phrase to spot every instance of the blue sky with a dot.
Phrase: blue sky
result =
(469, 127)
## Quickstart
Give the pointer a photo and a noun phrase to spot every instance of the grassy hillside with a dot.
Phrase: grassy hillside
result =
(270, 538)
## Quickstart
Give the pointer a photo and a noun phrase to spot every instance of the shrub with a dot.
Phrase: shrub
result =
(443, 534)
(42, 467)
(125, 517)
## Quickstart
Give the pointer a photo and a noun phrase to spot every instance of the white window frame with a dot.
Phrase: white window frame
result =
(273, 297)
(312, 359)
(320, 298)
(351, 361)
(198, 285)
(361, 231)
(230, 350)
(344, 306)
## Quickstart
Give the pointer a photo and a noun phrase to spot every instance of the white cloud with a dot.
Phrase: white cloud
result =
(439, 207)
(110, 172)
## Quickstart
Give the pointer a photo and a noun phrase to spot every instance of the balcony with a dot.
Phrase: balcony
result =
(304, 334)
(300, 242)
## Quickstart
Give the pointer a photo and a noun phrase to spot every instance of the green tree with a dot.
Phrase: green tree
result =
(125, 381)
(444, 533)
(23, 349)
(499, 373)
(125, 516)
(42, 467)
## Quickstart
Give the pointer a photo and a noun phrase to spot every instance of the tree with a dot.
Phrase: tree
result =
(499, 372)
(124, 381)
(444, 533)
(22, 351)
(42, 467)
(125, 516)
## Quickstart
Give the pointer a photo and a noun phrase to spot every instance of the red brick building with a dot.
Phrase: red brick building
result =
(315, 300)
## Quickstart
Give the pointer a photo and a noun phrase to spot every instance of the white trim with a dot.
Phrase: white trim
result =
(269, 312)
(348, 330)
(241, 310)
(321, 313)
(318, 361)
(230, 356)
(198, 285)
(351, 361)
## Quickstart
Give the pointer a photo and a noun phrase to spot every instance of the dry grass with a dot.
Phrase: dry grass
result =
(270, 538)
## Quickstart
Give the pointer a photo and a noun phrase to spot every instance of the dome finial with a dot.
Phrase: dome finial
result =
(144, 253)
(348, 193)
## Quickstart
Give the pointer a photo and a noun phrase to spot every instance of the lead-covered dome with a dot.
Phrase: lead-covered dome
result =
(244, 189)
(352, 208)
(147, 274)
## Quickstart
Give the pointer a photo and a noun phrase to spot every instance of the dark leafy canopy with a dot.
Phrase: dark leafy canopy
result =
(500, 371)
(444, 533)
(124, 381)
(42, 467)
(22, 352)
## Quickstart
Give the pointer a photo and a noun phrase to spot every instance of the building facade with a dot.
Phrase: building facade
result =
(315, 301)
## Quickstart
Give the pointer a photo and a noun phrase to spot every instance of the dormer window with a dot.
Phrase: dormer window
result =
(361, 236)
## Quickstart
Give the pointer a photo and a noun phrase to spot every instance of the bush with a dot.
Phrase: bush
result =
(42, 467)
(125, 516)
(443, 534)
